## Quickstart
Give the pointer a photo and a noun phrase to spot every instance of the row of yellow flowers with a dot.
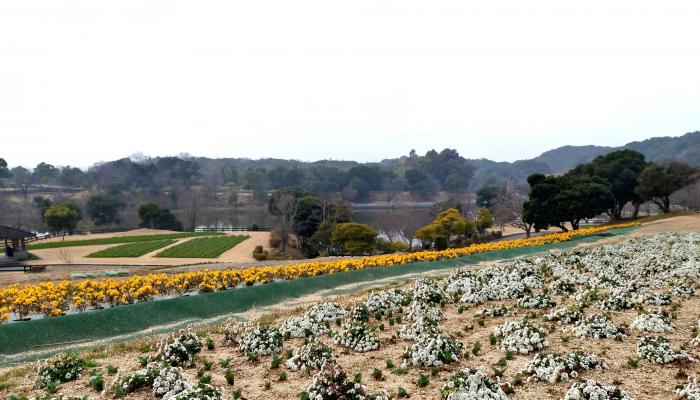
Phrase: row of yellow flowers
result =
(52, 299)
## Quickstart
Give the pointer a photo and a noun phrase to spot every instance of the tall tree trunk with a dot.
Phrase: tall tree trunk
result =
(667, 204)
(637, 205)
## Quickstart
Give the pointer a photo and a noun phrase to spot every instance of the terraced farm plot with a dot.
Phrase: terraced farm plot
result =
(119, 240)
(137, 249)
(209, 247)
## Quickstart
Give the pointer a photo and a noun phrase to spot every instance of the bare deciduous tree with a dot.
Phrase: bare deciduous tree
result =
(286, 208)
(412, 219)
(192, 204)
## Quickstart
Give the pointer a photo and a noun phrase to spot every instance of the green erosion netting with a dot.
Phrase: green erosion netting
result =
(49, 333)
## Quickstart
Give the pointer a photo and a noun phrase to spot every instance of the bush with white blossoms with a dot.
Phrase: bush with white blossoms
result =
(658, 299)
(327, 311)
(566, 315)
(203, 391)
(593, 390)
(657, 349)
(420, 309)
(690, 391)
(180, 348)
(261, 341)
(598, 327)
(387, 301)
(494, 311)
(695, 342)
(656, 322)
(310, 356)
(169, 382)
(428, 290)
(434, 350)
(234, 330)
(472, 384)
(683, 290)
(540, 300)
(358, 337)
(555, 367)
(63, 367)
(522, 337)
(332, 382)
(563, 287)
(619, 301)
(359, 313)
(136, 380)
(302, 326)
(419, 327)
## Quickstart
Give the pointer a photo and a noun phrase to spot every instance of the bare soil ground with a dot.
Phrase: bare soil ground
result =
(647, 381)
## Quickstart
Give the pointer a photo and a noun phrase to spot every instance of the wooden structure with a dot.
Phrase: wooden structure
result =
(15, 238)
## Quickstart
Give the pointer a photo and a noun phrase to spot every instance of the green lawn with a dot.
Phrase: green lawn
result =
(132, 249)
(118, 240)
(210, 247)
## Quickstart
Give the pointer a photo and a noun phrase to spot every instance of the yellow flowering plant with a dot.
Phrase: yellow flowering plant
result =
(52, 299)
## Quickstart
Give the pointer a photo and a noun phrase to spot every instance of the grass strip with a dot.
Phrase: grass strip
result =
(209, 247)
(137, 249)
(119, 240)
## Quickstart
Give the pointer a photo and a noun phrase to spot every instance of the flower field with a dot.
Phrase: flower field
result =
(613, 322)
(54, 299)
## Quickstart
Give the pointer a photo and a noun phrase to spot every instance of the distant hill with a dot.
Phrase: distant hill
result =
(684, 148)
(567, 157)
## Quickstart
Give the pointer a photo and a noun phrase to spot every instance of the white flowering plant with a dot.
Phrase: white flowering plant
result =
(657, 349)
(689, 391)
(327, 311)
(234, 331)
(302, 326)
(359, 313)
(203, 391)
(434, 350)
(63, 367)
(472, 384)
(563, 287)
(429, 291)
(598, 326)
(123, 384)
(522, 337)
(422, 309)
(169, 382)
(540, 300)
(310, 356)
(387, 302)
(593, 390)
(332, 382)
(566, 315)
(419, 327)
(655, 322)
(358, 337)
(494, 311)
(261, 341)
(555, 367)
(178, 348)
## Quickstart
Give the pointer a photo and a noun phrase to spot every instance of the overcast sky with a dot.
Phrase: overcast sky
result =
(84, 81)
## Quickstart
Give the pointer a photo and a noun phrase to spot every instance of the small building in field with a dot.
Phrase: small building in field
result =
(15, 241)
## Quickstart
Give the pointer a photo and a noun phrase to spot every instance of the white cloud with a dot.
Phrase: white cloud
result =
(82, 81)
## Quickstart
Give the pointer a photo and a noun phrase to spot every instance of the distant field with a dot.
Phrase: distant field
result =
(209, 247)
(118, 240)
(136, 249)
